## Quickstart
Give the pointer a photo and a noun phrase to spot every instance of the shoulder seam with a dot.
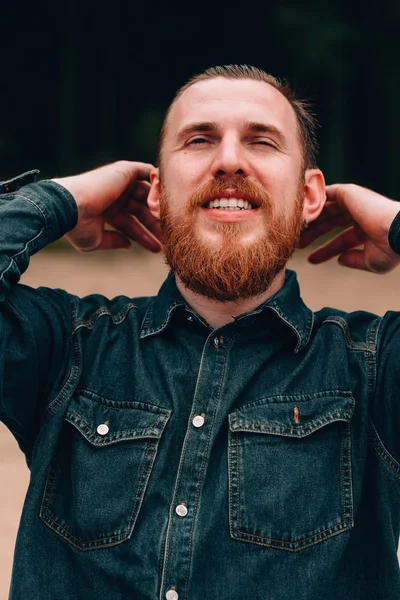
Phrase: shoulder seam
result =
(381, 451)
(363, 346)
(101, 312)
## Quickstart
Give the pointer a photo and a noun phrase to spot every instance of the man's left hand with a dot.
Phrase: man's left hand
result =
(366, 218)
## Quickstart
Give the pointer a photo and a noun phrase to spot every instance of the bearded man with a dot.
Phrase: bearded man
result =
(219, 440)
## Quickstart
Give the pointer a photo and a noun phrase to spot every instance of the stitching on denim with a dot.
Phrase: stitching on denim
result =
(121, 535)
(341, 530)
(239, 516)
(217, 398)
(382, 452)
(160, 565)
(188, 430)
(50, 482)
(64, 532)
(72, 378)
(314, 425)
(350, 473)
(299, 334)
(310, 537)
(130, 405)
(267, 400)
(342, 472)
(147, 332)
(370, 358)
(153, 446)
(230, 471)
(105, 441)
(346, 475)
(194, 404)
(351, 343)
(45, 217)
(100, 312)
(13, 260)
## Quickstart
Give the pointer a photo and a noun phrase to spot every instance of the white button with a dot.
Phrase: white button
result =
(103, 429)
(198, 421)
(181, 510)
(216, 342)
(172, 595)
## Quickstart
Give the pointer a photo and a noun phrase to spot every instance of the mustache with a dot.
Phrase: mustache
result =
(216, 188)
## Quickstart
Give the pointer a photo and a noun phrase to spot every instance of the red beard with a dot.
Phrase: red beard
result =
(230, 270)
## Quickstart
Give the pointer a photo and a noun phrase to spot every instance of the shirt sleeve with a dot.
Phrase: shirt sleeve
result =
(383, 367)
(35, 324)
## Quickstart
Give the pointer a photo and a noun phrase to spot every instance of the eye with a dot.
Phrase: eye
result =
(265, 143)
(197, 141)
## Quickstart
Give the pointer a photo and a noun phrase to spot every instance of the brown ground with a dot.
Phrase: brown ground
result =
(138, 274)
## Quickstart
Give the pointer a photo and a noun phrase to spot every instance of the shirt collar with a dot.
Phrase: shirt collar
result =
(287, 304)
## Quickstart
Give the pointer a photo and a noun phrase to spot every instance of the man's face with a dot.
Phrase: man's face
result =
(235, 143)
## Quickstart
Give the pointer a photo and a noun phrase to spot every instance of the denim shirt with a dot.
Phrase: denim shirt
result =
(260, 460)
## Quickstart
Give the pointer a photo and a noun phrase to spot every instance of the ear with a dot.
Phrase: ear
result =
(315, 196)
(153, 199)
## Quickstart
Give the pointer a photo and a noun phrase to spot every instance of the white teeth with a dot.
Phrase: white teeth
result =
(230, 204)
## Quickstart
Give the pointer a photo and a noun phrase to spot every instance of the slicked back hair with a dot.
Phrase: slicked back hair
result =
(306, 121)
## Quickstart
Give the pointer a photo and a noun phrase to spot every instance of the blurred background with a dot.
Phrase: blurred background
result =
(88, 83)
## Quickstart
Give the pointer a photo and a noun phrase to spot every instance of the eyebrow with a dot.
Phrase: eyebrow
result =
(269, 129)
(208, 126)
(201, 127)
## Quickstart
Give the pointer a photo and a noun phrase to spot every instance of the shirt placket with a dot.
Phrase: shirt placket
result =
(193, 464)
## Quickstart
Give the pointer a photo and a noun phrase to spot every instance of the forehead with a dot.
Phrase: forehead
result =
(231, 101)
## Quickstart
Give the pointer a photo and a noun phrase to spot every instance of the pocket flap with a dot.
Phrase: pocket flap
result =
(295, 416)
(103, 424)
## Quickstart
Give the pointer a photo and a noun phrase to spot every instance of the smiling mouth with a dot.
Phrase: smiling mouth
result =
(230, 204)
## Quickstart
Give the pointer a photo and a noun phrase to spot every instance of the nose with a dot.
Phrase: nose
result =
(229, 160)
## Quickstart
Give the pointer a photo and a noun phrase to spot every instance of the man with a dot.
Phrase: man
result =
(219, 440)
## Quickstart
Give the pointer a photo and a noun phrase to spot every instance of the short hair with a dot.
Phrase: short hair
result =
(306, 121)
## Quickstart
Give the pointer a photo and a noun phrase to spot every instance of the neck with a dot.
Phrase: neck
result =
(217, 314)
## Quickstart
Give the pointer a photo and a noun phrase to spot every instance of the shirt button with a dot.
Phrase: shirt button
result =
(172, 595)
(103, 429)
(218, 341)
(198, 421)
(181, 510)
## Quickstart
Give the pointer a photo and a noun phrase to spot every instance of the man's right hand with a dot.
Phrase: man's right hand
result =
(113, 195)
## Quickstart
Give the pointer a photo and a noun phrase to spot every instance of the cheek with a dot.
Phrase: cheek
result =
(189, 169)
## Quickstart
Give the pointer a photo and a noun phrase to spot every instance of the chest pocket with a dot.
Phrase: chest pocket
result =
(99, 474)
(290, 480)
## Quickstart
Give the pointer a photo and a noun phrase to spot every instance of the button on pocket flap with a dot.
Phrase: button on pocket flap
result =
(295, 416)
(104, 424)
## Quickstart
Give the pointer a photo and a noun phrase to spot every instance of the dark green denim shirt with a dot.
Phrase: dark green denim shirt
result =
(168, 460)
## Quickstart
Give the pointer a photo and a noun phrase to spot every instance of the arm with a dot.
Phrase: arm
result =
(35, 325)
(367, 218)
(370, 241)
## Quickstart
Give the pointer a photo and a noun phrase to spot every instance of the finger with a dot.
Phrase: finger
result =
(137, 192)
(354, 259)
(136, 170)
(344, 241)
(140, 191)
(319, 228)
(143, 214)
(335, 192)
(134, 230)
(113, 240)
(333, 210)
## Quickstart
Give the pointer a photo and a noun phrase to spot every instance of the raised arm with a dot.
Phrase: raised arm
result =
(36, 349)
(369, 239)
